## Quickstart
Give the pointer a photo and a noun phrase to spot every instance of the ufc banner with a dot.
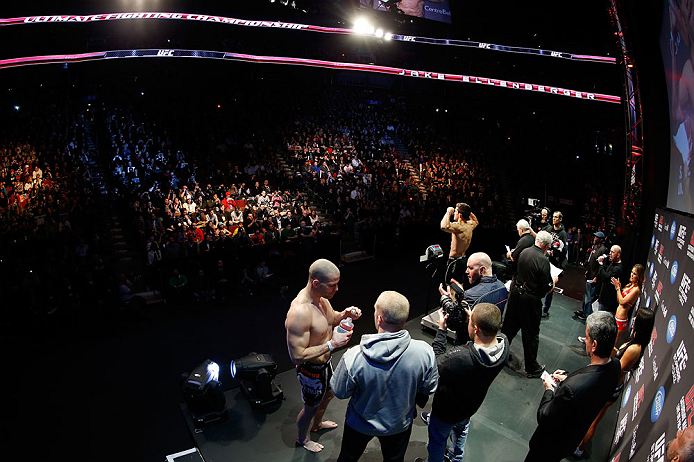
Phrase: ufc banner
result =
(658, 396)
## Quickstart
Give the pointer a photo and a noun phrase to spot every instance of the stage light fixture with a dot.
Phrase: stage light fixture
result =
(379, 33)
(255, 372)
(204, 395)
(388, 36)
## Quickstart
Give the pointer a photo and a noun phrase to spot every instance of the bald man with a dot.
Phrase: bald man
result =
(485, 288)
(384, 377)
(312, 336)
(681, 448)
(607, 297)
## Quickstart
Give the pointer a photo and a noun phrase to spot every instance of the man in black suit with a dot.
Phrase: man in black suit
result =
(571, 402)
(607, 297)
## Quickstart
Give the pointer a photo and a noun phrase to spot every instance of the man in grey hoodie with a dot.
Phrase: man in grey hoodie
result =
(465, 374)
(384, 377)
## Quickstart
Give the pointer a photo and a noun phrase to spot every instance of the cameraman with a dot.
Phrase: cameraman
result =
(543, 223)
(465, 374)
(485, 287)
(557, 252)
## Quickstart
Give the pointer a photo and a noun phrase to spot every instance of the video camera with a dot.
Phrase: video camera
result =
(534, 215)
(455, 309)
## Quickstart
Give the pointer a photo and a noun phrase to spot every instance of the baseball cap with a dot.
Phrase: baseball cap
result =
(600, 234)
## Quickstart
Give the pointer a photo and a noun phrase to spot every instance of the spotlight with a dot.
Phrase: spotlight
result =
(362, 26)
(379, 33)
(255, 372)
(204, 395)
(388, 36)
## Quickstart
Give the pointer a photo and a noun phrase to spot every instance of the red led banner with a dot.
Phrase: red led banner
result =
(154, 53)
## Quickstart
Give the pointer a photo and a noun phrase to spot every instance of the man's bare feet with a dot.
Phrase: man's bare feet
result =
(309, 445)
(325, 425)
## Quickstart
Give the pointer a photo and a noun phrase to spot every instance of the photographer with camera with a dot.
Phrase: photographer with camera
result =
(485, 288)
(540, 222)
(557, 252)
(525, 300)
(465, 374)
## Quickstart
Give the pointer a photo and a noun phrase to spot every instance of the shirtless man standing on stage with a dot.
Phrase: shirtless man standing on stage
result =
(312, 336)
(464, 222)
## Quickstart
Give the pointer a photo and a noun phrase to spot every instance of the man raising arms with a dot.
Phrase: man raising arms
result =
(464, 222)
(312, 336)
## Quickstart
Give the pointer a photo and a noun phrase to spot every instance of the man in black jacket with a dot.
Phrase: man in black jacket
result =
(571, 402)
(592, 269)
(465, 374)
(524, 306)
(526, 239)
(607, 297)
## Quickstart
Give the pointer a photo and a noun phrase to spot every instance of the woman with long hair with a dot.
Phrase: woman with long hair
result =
(627, 296)
(629, 355)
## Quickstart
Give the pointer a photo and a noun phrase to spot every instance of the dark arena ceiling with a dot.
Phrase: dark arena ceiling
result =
(584, 30)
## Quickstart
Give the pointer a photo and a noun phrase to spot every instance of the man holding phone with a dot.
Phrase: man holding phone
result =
(571, 401)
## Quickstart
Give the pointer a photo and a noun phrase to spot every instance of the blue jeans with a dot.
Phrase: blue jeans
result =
(439, 433)
(589, 297)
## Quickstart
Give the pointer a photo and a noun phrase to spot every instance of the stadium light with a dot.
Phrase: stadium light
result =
(255, 372)
(204, 395)
(362, 26)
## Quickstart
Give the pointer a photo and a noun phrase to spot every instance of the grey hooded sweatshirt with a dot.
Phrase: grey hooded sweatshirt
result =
(382, 376)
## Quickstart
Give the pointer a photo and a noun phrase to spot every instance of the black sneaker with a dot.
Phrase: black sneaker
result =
(425, 417)
(537, 374)
(545, 314)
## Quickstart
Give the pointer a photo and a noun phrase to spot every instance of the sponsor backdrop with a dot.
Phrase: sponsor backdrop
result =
(658, 396)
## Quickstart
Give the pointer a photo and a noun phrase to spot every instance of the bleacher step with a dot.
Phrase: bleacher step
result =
(351, 257)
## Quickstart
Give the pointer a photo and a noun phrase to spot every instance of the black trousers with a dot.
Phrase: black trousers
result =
(523, 312)
(541, 450)
(455, 269)
(354, 443)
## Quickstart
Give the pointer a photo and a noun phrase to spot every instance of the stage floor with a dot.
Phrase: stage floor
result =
(112, 390)
(499, 431)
